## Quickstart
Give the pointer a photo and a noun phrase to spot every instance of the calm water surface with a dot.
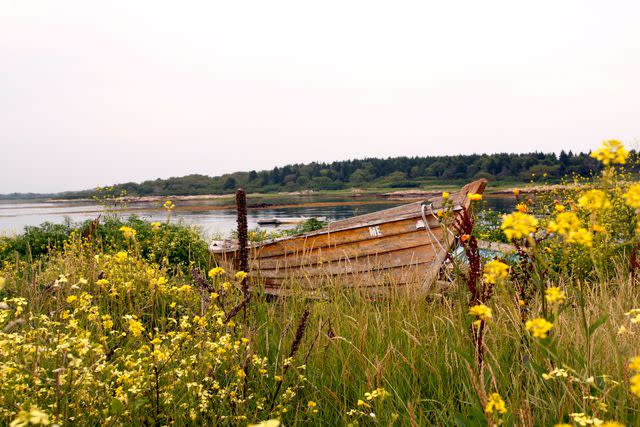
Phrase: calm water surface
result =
(207, 214)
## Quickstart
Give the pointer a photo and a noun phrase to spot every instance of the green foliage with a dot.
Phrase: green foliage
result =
(35, 241)
(396, 172)
(176, 244)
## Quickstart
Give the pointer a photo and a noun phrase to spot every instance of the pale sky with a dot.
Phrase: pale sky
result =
(101, 92)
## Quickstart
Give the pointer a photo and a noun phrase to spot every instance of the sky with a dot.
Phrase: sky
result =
(94, 93)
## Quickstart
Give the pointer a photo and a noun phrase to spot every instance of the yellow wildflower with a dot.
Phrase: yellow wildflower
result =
(597, 228)
(216, 271)
(559, 207)
(481, 311)
(555, 295)
(312, 404)
(564, 223)
(518, 225)
(539, 327)
(516, 192)
(522, 207)
(612, 424)
(155, 226)
(496, 404)
(623, 330)
(377, 393)
(107, 323)
(556, 373)
(634, 384)
(240, 275)
(168, 205)
(445, 195)
(120, 256)
(3, 282)
(495, 271)
(594, 200)
(102, 282)
(268, 423)
(562, 425)
(632, 196)
(34, 416)
(135, 327)
(128, 232)
(634, 364)
(581, 419)
(474, 197)
(71, 299)
(611, 152)
(581, 236)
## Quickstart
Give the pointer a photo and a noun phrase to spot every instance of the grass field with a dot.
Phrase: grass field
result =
(131, 323)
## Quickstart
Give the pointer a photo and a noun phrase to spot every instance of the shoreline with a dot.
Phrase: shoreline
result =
(262, 201)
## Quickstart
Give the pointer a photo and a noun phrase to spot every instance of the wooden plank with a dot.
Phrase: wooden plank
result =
(398, 258)
(371, 279)
(372, 246)
(331, 239)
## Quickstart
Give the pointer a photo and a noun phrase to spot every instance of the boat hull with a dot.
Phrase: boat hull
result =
(393, 248)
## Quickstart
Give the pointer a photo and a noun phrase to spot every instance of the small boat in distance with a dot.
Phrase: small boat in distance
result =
(401, 246)
(280, 221)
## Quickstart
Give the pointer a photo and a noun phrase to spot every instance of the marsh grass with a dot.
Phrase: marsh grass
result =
(111, 329)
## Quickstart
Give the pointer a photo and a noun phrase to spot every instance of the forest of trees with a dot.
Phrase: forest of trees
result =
(397, 172)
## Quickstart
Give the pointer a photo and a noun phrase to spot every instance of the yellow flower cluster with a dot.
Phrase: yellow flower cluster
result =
(567, 224)
(518, 225)
(215, 272)
(474, 197)
(539, 327)
(564, 223)
(555, 295)
(495, 404)
(634, 315)
(632, 196)
(594, 200)
(495, 271)
(556, 373)
(168, 205)
(634, 381)
(34, 417)
(481, 311)
(611, 152)
(128, 232)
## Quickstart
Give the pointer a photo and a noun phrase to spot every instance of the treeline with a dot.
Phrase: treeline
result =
(397, 172)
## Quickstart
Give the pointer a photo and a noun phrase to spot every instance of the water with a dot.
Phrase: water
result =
(215, 217)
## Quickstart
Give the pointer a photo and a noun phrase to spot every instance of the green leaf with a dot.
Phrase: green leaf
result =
(595, 325)
(117, 407)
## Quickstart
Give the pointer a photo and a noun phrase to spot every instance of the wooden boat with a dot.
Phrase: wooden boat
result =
(400, 246)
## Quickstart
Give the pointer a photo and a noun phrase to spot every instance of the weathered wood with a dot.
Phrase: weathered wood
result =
(376, 250)
(397, 258)
(369, 279)
(347, 251)
(334, 238)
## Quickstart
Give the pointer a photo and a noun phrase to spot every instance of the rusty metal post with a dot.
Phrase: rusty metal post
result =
(243, 248)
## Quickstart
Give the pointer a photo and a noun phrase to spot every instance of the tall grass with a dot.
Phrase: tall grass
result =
(120, 327)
